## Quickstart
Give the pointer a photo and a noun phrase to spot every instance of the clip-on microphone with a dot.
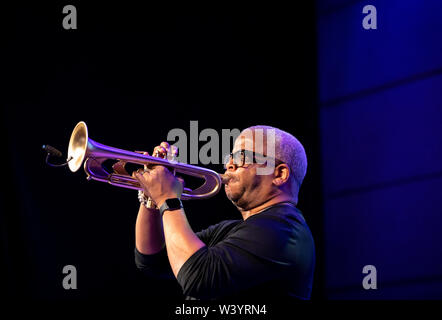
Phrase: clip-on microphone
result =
(51, 151)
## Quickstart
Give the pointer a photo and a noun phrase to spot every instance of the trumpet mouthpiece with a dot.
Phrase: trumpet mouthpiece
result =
(224, 178)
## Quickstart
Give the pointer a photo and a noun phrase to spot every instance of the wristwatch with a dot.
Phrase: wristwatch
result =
(171, 204)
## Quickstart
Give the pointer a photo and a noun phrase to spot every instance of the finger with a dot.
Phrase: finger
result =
(181, 180)
(142, 152)
(136, 174)
(146, 154)
(146, 167)
(119, 167)
(158, 170)
(140, 174)
(165, 145)
(140, 178)
(173, 150)
(159, 152)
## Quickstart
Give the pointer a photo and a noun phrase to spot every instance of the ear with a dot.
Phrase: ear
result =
(281, 175)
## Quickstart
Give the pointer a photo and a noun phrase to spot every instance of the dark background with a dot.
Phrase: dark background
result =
(380, 102)
(366, 104)
(132, 74)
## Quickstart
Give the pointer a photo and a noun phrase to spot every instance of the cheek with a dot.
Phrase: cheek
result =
(259, 185)
(256, 183)
(236, 184)
(244, 180)
(246, 184)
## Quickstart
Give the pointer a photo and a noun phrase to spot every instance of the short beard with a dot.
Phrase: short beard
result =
(238, 198)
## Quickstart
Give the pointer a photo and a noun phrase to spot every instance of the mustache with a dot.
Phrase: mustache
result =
(226, 178)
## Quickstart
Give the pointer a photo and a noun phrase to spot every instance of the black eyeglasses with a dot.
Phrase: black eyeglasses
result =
(243, 157)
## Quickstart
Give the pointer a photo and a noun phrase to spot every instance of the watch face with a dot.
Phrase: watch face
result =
(173, 203)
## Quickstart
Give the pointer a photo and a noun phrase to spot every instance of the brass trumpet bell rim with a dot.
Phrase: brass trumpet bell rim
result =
(78, 146)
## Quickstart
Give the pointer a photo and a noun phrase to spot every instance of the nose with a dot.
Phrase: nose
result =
(230, 166)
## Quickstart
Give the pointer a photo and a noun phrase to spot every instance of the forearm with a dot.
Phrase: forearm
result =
(181, 241)
(149, 236)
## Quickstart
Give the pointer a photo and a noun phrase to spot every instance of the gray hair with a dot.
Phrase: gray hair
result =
(289, 150)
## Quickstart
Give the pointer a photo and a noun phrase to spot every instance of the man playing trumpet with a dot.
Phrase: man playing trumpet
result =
(269, 253)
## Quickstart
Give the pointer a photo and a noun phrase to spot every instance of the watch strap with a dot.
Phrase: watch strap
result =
(171, 204)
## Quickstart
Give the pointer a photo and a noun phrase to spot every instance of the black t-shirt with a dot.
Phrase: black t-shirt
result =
(269, 255)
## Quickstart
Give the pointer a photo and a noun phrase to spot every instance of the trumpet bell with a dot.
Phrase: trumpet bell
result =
(78, 146)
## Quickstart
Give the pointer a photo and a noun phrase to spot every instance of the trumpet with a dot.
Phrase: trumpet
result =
(82, 149)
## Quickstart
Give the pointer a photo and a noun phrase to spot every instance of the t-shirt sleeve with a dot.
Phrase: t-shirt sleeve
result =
(154, 265)
(157, 265)
(248, 257)
(208, 234)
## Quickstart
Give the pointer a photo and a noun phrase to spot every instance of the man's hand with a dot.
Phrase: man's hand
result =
(157, 181)
(160, 184)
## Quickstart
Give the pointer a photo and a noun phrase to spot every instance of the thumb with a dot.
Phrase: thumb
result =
(181, 180)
